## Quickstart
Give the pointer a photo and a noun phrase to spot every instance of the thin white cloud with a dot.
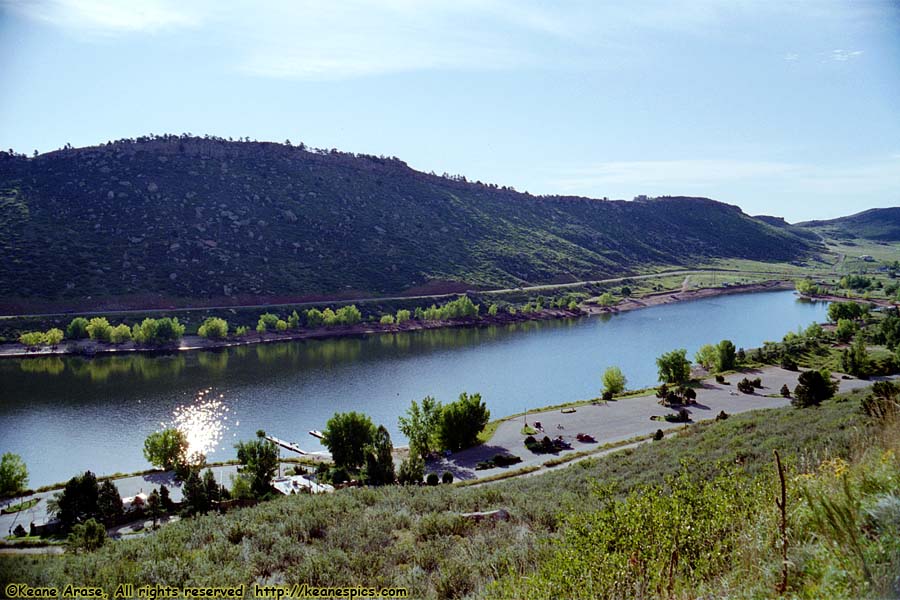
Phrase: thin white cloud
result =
(304, 40)
(839, 55)
(690, 172)
(107, 17)
(700, 176)
(319, 39)
(791, 57)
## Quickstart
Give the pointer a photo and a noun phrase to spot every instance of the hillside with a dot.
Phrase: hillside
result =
(190, 219)
(879, 224)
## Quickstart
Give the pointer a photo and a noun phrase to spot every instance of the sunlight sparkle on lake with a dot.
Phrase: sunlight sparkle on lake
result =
(203, 421)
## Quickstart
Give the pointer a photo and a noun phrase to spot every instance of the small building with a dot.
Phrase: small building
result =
(135, 502)
(298, 484)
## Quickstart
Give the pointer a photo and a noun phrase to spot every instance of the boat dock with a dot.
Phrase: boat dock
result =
(287, 445)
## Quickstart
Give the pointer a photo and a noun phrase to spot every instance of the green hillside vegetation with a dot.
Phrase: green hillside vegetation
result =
(782, 224)
(185, 219)
(415, 537)
(879, 224)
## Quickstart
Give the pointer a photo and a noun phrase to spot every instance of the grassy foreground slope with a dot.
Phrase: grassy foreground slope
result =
(191, 218)
(414, 537)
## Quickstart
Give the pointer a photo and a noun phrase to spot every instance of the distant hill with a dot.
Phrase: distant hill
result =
(880, 224)
(782, 224)
(182, 218)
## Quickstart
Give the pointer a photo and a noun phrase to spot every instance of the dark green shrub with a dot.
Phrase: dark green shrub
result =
(412, 470)
(505, 460)
(812, 388)
(745, 386)
(87, 536)
(533, 445)
(658, 435)
(502, 460)
(682, 416)
(338, 475)
(785, 391)
(720, 379)
(77, 329)
(432, 479)
(447, 477)
(883, 402)
(788, 363)
(722, 415)
(886, 364)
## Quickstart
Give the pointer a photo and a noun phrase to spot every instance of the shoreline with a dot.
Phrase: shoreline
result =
(672, 297)
(90, 348)
(833, 298)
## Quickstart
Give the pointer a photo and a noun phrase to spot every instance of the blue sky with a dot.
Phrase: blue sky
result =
(782, 107)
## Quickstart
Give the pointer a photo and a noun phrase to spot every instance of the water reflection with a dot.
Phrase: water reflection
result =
(215, 361)
(45, 365)
(102, 368)
(309, 353)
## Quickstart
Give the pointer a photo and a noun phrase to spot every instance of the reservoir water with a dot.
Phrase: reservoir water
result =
(64, 415)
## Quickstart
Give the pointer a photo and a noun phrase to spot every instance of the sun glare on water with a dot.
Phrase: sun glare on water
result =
(203, 421)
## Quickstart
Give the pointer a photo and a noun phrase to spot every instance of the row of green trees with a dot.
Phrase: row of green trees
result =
(462, 307)
(674, 368)
(431, 426)
(84, 498)
(359, 448)
(169, 450)
(33, 339)
(169, 330)
(847, 310)
(808, 288)
(200, 493)
(717, 358)
(849, 283)
(345, 315)
(150, 332)
(854, 323)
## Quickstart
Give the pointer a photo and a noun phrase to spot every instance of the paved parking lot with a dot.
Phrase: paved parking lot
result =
(624, 419)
